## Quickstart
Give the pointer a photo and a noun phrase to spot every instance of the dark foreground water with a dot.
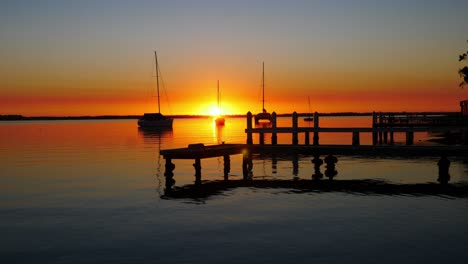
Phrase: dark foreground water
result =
(93, 192)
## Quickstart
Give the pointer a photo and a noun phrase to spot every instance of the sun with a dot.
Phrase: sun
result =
(215, 111)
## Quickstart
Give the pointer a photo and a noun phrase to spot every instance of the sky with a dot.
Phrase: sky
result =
(97, 57)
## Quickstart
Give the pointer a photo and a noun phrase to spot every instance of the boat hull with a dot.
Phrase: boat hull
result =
(155, 120)
(263, 118)
(219, 121)
(155, 123)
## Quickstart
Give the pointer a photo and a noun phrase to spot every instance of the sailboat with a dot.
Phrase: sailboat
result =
(155, 120)
(219, 119)
(309, 117)
(264, 116)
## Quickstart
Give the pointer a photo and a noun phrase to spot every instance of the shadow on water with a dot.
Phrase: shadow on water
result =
(359, 187)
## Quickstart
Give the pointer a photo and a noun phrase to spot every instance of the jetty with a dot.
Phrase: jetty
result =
(384, 126)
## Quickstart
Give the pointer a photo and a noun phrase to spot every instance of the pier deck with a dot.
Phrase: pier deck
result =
(199, 151)
(211, 151)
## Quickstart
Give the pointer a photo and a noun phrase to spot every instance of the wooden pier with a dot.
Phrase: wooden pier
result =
(197, 152)
(382, 130)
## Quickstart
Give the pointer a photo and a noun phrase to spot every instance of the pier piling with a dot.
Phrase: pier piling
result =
(356, 138)
(274, 137)
(316, 127)
(249, 128)
(295, 139)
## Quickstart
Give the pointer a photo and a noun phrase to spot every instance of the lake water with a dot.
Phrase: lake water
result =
(93, 192)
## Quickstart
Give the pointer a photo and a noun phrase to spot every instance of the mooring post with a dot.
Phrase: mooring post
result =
(169, 174)
(227, 166)
(374, 125)
(249, 128)
(197, 166)
(409, 137)
(380, 128)
(274, 137)
(261, 138)
(356, 138)
(295, 139)
(316, 127)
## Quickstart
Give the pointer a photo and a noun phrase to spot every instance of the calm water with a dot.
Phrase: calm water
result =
(90, 192)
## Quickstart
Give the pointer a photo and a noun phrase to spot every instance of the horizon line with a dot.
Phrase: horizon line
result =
(17, 117)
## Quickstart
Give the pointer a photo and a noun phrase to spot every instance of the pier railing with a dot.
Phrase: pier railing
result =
(384, 125)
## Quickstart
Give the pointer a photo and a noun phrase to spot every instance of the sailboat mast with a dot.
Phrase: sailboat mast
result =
(157, 79)
(219, 97)
(263, 86)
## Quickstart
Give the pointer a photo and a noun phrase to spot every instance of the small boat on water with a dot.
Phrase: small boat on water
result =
(155, 120)
(219, 119)
(264, 116)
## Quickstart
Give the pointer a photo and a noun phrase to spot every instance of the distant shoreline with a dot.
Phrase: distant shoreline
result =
(105, 117)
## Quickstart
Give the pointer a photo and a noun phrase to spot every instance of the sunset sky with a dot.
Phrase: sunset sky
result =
(97, 57)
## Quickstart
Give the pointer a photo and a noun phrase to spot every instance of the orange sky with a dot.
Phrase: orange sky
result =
(98, 60)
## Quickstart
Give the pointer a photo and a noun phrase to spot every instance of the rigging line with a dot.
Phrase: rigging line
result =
(163, 84)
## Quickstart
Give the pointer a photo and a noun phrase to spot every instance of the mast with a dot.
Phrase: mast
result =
(219, 97)
(157, 79)
(263, 87)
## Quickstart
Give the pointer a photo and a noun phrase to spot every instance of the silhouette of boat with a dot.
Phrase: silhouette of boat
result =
(219, 119)
(264, 116)
(155, 120)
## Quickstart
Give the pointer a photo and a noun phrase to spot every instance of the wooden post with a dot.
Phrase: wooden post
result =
(392, 140)
(295, 139)
(385, 137)
(409, 137)
(249, 128)
(197, 166)
(274, 137)
(374, 125)
(307, 140)
(227, 166)
(316, 126)
(261, 138)
(356, 138)
(380, 128)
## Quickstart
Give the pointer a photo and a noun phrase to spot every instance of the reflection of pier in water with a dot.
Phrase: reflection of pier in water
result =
(361, 187)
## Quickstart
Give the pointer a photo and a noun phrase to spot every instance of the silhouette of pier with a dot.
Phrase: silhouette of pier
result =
(380, 130)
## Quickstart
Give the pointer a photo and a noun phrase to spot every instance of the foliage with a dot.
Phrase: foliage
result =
(463, 71)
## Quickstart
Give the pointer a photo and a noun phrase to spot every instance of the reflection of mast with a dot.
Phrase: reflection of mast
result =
(154, 137)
